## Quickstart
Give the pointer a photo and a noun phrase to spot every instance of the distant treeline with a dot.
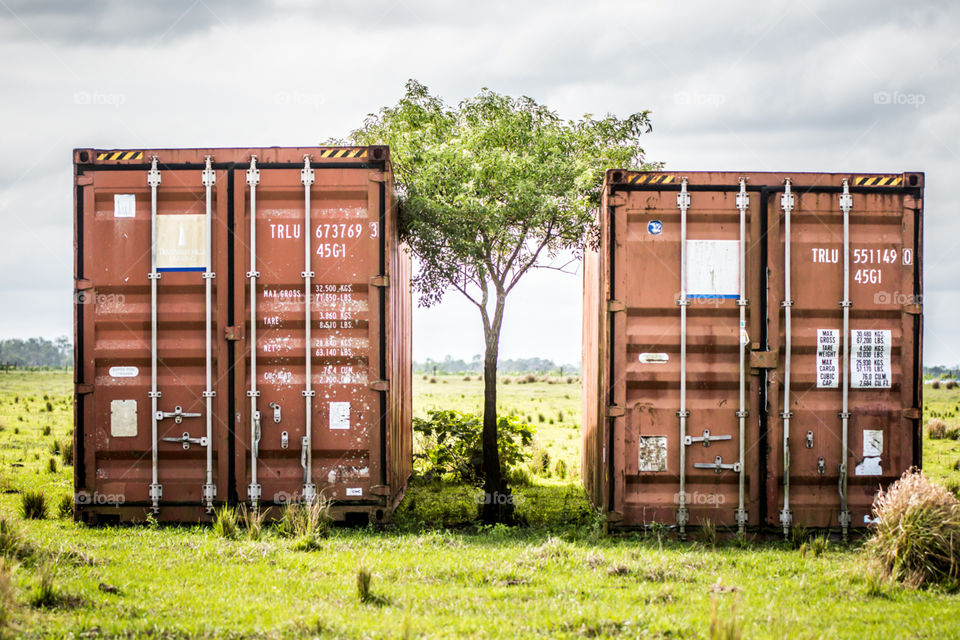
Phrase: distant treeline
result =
(942, 372)
(36, 353)
(519, 365)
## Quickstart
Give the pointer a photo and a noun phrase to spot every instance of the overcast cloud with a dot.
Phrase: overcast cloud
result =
(802, 86)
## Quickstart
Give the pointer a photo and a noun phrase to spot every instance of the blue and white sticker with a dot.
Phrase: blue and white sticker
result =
(655, 227)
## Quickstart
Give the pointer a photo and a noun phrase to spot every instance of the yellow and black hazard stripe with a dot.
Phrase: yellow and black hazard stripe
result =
(341, 152)
(110, 156)
(650, 178)
(877, 181)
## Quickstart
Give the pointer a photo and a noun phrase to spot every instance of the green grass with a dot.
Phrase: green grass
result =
(941, 458)
(559, 578)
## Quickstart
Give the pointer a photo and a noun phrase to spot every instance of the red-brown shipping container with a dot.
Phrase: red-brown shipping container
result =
(712, 297)
(194, 386)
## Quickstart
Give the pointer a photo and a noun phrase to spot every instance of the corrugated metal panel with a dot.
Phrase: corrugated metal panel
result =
(360, 363)
(639, 289)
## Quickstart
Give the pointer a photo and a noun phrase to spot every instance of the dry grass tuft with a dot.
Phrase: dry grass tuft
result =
(917, 536)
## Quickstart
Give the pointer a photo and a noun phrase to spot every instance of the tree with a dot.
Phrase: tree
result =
(489, 189)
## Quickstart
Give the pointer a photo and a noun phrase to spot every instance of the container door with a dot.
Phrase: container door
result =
(821, 484)
(151, 394)
(312, 298)
(685, 268)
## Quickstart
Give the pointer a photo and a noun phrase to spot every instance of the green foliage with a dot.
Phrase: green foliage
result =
(306, 523)
(450, 445)
(45, 593)
(33, 505)
(66, 452)
(226, 523)
(65, 507)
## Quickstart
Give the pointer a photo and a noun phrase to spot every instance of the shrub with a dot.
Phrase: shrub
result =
(466, 378)
(560, 468)
(45, 593)
(49, 408)
(569, 380)
(708, 533)
(65, 507)
(936, 428)
(46, 430)
(7, 595)
(307, 523)
(540, 462)
(935, 384)
(451, 444)
(253, 521)
(433, 381)
(66, 452)
(33, 505)
(541, 417)
(819, 545)
(12, 542)
(917, 532)
(530, 378)
(952, 433)
(52, 465)
(226, 523)
(951, 384)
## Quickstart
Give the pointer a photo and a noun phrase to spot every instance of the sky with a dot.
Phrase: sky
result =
(777, 86)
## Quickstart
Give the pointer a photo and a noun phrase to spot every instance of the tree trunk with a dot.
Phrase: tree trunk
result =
(497, 502)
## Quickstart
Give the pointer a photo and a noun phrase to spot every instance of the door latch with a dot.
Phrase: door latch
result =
(284, 439)
(186, 440)
(809, 439)
(821, 466)
(717, 465)
(706, 438)
(177, 414)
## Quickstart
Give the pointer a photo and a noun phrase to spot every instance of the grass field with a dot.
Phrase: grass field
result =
(560, 579)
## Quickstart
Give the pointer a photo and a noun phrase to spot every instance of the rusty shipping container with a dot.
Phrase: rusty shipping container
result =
(752, 347)
(202, 375)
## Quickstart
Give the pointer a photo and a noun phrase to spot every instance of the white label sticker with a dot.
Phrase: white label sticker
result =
(339, 415)
(181, 242)
(870, 359)
(869, 467)
(872, 442)
(653, 453)
(713, 268)
(124, 372)
(124, 205)
(654, 358)
(123, 418)
(354, 492)
(828, 368)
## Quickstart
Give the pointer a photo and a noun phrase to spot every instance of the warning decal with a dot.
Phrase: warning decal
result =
(828, 343)
(870, 359)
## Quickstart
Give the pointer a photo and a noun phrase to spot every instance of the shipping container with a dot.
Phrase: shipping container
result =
(752, 347)
(202, 374)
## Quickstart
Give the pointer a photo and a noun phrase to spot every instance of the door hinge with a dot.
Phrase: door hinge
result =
(380, 385)
(911, 413)
(233, 333)
(380, 490)
(616, 200)
(82, 389)
(763, 359)
(613, 411)
(914, 309)
(380, 281)
(83, 284)
(615, 306)
(614, 516)
(83, 180)
(376, 176)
